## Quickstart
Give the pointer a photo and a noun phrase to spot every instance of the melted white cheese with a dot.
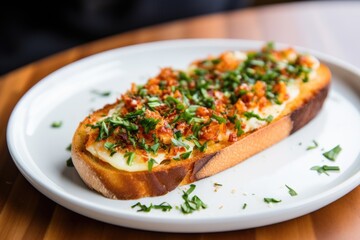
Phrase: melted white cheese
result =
(118, 160)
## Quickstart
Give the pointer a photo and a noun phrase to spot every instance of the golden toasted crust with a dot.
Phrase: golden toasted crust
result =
(119, 184)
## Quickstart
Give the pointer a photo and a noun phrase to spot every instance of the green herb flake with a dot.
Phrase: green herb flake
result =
(185, 155)
(154, 148)
(325, 169)
(57, 124)
(149, 124)
(111, 147)
(249, 115)
(135, 114)
(68, 148)
(203, 147)
(151, 162)
(291, 191)
(101, 94)
(178, 135)
(116, 121)
(239, 130)
(271, 200)
(244, 206)
(200, 72)
(179, 143)
(314, 146)
(218, 118)
(153, 102)
(333, 153)
(215, 61)
(189, 114)
(69, 163)
(258, 63)
(270, 46)
(191, 204)
(142, 207)
(217, 185)
(130, 158)
(164, 206)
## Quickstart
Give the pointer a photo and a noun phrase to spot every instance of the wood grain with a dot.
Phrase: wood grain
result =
(330, 27)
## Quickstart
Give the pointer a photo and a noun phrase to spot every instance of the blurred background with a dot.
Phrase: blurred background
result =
(31, 30)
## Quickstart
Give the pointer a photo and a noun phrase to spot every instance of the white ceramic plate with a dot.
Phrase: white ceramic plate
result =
(66, 95)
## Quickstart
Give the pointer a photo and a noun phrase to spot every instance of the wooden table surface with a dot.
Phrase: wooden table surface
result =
(330, 27)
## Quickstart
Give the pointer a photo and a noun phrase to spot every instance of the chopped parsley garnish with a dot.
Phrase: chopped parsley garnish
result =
(69, 163)
(68, 148)
(258, 63)
(314, 146)
(57, 124)
(164, 206)
(185, 155)
(189, 114)
(178, 135)
(238, 128)
(154, 102)
(118, 121)
(149, 124)
(154, 148)
(135, 114)
(198, 145)
(244, 206)
(271, 200)
(101, 94)
(143, 145)
(218, 118)
(178, 143)
(142, 207)
(111, 147)
(291, 191)
(249, 115)
(151, 162)
(325, 169)
(109, 124)
(173, 101)
(191, 204)
(130, 157)
(333, 153)
(200, 72)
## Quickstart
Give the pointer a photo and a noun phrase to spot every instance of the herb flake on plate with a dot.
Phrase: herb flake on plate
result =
(325, 169)
(313, 146)
(333, 153)
(101, 94)
(69, 163)
(56, 124)
(292, 192)
(164, 206)
(191, 204)
(271, 200)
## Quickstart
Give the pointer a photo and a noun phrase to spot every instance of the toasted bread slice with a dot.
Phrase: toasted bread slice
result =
(119, 184)
(114, 182)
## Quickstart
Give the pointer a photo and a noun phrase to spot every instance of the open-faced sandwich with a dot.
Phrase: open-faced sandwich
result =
(186, 125)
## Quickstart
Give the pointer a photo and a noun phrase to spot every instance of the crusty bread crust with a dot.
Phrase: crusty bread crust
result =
(119, 184)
